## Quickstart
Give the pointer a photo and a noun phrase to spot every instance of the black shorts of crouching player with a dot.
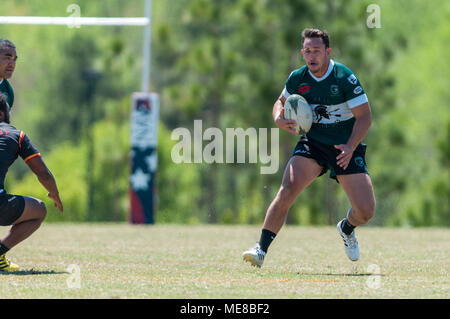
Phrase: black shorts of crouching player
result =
(11, 208)
(325, 155)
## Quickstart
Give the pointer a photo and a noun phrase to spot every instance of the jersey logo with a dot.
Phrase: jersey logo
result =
(321, 112)
(357, 90)
(304, 88)
(352, 79)
(334, 89)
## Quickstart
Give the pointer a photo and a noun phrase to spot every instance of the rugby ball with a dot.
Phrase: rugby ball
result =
(297, 108)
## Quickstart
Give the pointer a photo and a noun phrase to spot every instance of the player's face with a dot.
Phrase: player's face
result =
(8, 59)
(316, 55)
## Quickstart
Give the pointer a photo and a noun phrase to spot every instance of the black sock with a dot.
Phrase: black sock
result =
(346, 227)
(266, 239)
(3, 249)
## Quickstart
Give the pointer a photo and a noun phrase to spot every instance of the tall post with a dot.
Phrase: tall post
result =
(144, 139)
(146, 54)
(91, 77)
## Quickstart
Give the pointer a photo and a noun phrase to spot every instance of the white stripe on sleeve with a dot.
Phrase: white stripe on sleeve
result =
(357, 101)
(285, 93)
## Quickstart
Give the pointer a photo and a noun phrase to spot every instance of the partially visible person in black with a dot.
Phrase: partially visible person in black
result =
(24, 213)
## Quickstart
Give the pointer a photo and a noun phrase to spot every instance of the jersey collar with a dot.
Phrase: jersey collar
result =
(323, 77)
(1, 81)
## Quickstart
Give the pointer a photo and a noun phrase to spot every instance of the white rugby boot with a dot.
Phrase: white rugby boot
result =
(350, 243)
(255, 256)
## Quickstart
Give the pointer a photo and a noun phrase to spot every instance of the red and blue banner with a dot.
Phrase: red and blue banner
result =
(144, 159)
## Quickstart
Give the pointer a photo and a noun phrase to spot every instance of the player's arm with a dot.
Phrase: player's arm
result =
(278, 116)
(363, 120)
(45, 177)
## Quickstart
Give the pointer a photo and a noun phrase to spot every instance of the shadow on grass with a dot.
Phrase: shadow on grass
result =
(32, 272)
(343, 275)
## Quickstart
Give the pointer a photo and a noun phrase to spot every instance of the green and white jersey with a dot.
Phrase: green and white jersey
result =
(6, 89)
(331, 98)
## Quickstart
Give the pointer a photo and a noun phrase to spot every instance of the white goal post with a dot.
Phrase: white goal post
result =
(74, 21)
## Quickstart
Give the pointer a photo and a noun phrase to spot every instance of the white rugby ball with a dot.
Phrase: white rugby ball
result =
(297, 108)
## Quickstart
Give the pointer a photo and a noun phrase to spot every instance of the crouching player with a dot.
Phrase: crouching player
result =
(25, 214)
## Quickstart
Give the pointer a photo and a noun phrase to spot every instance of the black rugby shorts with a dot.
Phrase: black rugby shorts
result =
(11, 208)
(325, 155)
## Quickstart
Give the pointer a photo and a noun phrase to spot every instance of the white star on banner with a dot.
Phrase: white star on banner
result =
(139, 180)
(152, 162)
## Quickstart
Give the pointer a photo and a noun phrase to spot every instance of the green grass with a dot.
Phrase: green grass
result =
(171, 261)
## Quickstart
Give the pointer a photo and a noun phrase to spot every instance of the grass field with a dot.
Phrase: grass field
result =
(170, 261)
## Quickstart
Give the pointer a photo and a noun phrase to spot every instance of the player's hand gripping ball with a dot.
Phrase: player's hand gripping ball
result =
(297, 108)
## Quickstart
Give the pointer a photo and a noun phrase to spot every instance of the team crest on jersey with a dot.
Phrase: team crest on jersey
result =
(352, 79)
(334, 89)
(304, 88)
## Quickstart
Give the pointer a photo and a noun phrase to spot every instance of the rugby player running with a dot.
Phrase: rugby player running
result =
(24, 214)
(341, 120)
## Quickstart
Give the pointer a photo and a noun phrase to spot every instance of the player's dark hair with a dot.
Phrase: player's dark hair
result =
(6, 44)
(3, 103)
(316, 33)
(4, 107)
